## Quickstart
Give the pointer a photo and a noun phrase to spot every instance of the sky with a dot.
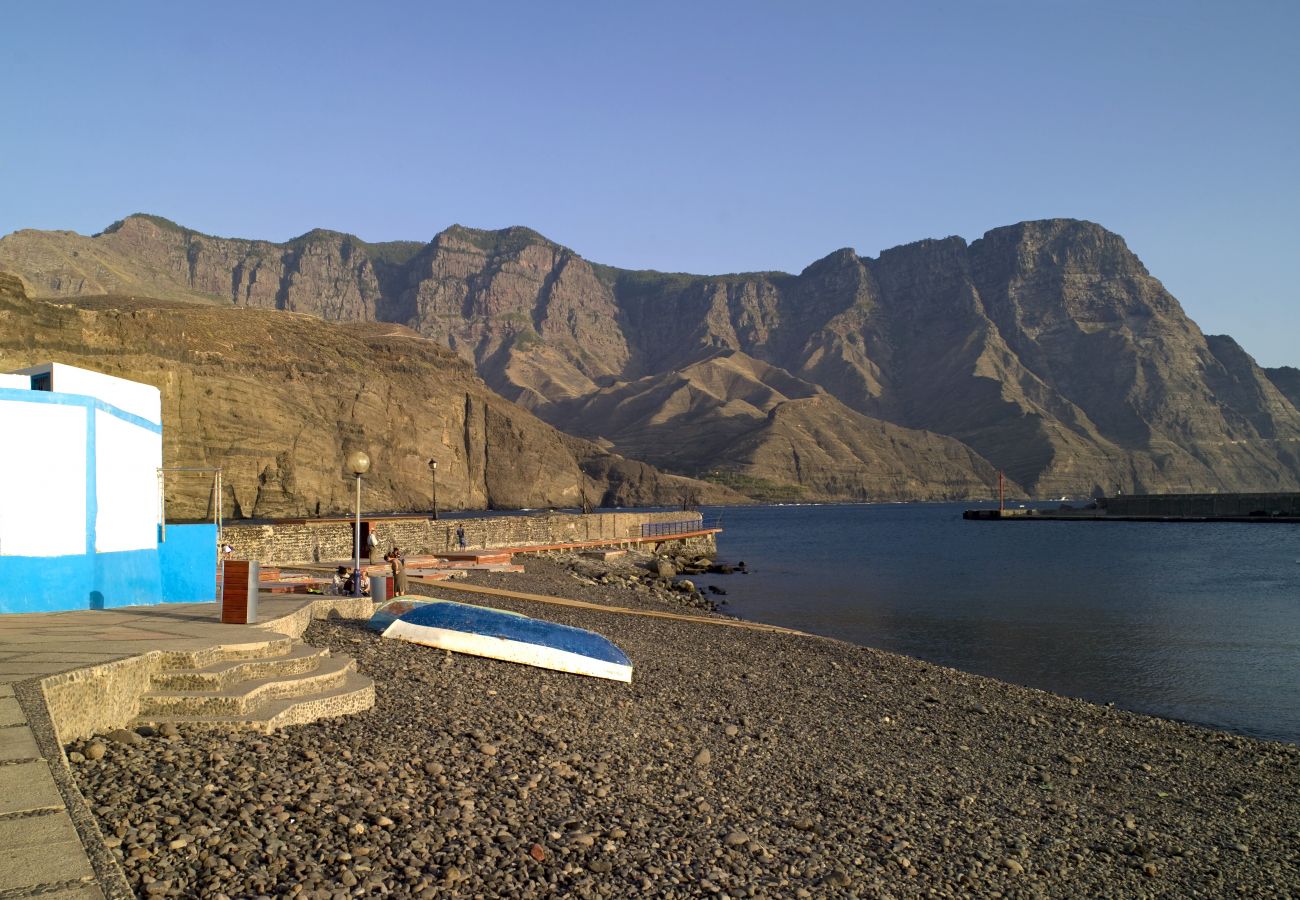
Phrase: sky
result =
(704, 137)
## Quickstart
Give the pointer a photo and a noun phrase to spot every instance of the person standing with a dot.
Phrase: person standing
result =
(372, 546)
(399, 571)
(460, 536)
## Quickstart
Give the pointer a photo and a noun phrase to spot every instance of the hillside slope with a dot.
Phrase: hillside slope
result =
(278, 401)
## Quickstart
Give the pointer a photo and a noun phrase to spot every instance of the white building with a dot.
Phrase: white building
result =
(80, 507)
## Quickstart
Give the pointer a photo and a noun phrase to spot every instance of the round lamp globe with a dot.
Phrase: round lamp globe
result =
(358, 462)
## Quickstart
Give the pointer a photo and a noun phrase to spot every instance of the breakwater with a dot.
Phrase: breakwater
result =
(1254, 507)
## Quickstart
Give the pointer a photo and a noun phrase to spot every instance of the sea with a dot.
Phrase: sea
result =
(1189, 621)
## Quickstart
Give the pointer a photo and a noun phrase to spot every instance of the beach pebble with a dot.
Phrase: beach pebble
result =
(123, 736)
(598, 796)
(704, 757)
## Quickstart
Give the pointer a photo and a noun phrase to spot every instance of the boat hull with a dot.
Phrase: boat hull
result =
(498, 634)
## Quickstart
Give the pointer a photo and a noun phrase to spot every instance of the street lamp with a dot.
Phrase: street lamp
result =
(358, 465)
(433, 470)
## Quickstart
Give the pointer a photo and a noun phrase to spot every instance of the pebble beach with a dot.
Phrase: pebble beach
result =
(738, 763)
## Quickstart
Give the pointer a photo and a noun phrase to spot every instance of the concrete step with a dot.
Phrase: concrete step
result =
(356, 693)
(245, 697)
(197, 659)
(226, 672)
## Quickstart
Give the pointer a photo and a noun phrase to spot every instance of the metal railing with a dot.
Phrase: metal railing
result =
(659, 529)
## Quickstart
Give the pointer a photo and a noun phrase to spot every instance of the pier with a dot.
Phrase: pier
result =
(1251, 508)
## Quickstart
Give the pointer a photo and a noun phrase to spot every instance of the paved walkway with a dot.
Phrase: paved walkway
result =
(42, 852)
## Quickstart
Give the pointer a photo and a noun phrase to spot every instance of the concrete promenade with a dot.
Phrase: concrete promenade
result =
(50, 845)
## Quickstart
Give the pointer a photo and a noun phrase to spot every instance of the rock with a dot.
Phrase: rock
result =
(75, 758)
(731, 731)
(487, 749)
(537, 852)
(128, 738)
(168, 730)
(665, 569)
(840, 879)
(704, 757)
(1013, 865)
(736, 839)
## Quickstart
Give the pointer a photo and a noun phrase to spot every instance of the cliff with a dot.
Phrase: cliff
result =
(278, 401)
(1045, 348)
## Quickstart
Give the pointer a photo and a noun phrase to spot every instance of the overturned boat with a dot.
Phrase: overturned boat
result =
(500, 634)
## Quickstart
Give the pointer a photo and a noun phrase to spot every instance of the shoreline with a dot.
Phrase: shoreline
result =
(736, 763)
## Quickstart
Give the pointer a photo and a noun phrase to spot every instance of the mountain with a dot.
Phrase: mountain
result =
(1287, 380)
(765, 430)
(278, 401)
(1046, 349)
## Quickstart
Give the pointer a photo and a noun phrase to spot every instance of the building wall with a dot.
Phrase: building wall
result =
(283, 544)
(79, 499)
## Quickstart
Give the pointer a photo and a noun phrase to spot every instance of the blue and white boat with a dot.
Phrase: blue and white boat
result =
(500, 634)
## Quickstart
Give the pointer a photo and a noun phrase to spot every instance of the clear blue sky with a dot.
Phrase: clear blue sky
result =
(700, 136)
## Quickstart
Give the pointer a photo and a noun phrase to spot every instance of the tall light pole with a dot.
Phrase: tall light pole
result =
(358, 465)
(433, 470)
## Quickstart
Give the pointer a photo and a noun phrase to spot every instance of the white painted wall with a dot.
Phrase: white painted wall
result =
(42, 479)
(127, 458)
(143, 400)
(16, 382)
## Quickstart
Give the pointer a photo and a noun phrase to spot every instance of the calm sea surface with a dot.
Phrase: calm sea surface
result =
(1188, 621)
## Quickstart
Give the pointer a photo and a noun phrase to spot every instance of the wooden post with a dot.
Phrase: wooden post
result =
(1001, 498)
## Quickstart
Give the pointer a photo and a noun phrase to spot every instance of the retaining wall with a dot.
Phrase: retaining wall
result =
(299, 542)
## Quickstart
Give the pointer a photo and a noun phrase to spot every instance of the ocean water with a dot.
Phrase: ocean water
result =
(1197, 622)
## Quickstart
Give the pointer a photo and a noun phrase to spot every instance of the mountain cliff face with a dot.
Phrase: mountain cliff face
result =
(278, 401)
(1044, 349)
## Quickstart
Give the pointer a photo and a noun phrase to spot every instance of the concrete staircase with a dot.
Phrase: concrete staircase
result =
(259, 686)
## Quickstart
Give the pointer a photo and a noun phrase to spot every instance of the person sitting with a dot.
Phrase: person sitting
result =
(365, 584)
(339, 580)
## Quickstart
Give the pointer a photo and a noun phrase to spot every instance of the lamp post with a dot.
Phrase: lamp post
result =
(433, 470)
(358, 465)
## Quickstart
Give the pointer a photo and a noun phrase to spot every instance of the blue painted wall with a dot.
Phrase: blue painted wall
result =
(188, 564)
(181, 570)
(42, 584)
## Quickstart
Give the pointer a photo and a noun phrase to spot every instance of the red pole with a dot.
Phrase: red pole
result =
(1001, 499)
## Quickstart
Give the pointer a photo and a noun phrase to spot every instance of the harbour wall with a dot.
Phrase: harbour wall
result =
(302, 541)
(1269, 505)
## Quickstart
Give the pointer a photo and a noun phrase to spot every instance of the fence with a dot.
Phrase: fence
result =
(659, 529)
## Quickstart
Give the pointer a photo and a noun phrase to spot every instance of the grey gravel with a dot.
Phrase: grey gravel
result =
(831, 771)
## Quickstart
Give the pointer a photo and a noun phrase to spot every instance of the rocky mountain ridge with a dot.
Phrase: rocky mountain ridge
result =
(1045, 348)
(278, 401)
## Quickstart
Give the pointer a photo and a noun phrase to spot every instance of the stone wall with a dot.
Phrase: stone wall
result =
(301, 542)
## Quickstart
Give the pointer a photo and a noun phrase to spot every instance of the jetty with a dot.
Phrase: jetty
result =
(1245, 507)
